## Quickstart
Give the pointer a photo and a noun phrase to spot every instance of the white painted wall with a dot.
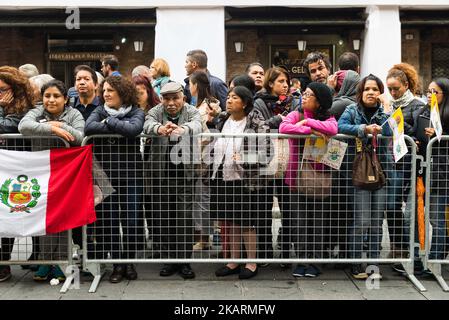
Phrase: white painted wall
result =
(381, 46)
(179, 31)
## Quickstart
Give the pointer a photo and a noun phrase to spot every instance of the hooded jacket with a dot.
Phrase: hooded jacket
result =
(346, 95)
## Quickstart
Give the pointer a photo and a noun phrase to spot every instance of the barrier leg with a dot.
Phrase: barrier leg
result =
(409, 269)
(436, 271)
(98, 272)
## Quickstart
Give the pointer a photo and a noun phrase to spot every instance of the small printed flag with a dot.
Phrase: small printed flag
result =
(396, 123)
(45, 192)
(435, 116)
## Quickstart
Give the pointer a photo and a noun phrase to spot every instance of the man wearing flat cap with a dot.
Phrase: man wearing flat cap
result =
(171, 174)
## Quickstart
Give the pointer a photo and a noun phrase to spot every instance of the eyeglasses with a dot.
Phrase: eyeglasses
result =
(307, 94)
(3, 90)
(433, 91)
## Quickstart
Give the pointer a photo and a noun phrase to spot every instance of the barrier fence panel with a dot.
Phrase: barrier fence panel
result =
(436, 212)
(248, 198)
(31, 252)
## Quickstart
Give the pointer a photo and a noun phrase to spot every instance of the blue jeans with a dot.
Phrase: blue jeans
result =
(369, 210)
(438, 203)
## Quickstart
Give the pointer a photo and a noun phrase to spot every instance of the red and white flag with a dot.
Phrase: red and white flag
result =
(45, 191)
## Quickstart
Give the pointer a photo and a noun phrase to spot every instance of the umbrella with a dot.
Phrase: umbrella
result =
(420, 190)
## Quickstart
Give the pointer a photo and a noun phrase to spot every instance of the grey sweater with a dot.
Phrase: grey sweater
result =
(35, 123)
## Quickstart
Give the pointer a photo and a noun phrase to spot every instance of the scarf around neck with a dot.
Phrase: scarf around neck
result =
(403, 101)
(120, 113)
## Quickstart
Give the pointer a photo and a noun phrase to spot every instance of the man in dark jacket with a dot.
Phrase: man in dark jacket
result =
(172, 123)
(197, 60)
(86, 83)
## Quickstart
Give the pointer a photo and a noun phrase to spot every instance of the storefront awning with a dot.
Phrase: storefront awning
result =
(88, 18)
(284, 16)
(416, 18)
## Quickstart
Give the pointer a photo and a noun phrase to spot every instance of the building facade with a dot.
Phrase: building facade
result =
(233, 33)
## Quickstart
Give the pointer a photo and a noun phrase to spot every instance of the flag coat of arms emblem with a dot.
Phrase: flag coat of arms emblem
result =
(45, 192)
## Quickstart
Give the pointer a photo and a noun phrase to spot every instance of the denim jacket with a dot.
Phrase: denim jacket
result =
(354, 121)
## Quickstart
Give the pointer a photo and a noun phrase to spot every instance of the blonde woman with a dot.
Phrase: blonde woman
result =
(160, 72)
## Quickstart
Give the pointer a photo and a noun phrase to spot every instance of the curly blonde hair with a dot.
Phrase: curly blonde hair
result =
(23, 93)
(406, 74)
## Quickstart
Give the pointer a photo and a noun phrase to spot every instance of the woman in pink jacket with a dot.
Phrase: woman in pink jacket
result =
(309, 228)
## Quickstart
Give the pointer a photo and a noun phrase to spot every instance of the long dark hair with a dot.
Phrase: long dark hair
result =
(443, 83)
(201, 80)
(361, 87)
(153, 99)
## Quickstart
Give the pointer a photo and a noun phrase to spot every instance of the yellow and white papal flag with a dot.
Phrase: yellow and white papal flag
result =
(435, 116)
(396, 122)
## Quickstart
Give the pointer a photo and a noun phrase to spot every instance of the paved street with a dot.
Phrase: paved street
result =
(272, 283)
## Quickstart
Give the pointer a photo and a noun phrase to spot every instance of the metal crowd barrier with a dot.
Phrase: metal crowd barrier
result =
(436, 209)
(53, 249)
(155, 204)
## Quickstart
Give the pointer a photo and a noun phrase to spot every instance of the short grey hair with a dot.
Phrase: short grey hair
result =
(30, 70)
(141, 70)
(40, 80)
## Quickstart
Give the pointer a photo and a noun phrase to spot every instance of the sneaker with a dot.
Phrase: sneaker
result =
(312, 271)
(42, 273)
(398, 267)
(5, 273)
(427, 272)
(201, 246)
(357, 272)
(418, 268)
(300, 271)
(58, 274)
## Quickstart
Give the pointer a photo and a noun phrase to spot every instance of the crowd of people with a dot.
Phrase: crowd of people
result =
(180, 201)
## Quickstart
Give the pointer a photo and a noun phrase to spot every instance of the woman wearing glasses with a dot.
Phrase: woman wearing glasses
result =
(16, 98)
(439, 188)
(310, 225)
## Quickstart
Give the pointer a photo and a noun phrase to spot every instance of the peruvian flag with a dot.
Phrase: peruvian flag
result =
(45, 191)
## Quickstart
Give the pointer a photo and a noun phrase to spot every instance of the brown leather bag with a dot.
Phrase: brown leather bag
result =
(367, 172)
(314, 184)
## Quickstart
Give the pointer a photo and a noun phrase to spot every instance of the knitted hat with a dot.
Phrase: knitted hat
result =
(322, 94)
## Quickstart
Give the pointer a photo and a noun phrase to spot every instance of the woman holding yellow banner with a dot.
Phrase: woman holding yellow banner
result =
(438, 97)
(402, 83)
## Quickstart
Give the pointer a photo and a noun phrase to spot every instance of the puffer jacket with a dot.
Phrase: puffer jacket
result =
(288, 126)
(119, 156)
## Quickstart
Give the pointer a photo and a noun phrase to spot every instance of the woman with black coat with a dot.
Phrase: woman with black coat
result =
(122, 162)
